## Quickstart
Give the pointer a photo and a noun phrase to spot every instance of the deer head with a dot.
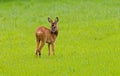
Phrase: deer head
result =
(53, 27)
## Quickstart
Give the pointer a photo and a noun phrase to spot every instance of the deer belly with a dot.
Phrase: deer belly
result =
(48, 41)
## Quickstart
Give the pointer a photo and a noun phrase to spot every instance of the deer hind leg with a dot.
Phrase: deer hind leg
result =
(37, 46)
(41, 46)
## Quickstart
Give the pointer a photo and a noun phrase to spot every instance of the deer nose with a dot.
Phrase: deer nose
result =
(54, 27)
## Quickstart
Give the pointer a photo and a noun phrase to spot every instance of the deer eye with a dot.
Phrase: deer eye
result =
(54, 27)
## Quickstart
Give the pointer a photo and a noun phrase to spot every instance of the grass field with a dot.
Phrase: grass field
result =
(88, 43)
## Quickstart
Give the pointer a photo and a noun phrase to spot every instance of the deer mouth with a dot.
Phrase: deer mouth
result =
(52, 31)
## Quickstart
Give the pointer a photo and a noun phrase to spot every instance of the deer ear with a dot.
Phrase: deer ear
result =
(56, 20)
(50, 20)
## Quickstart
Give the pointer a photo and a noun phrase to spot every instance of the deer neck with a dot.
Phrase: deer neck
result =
(54, 33)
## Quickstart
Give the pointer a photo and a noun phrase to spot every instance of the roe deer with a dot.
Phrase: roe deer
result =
(45, 35)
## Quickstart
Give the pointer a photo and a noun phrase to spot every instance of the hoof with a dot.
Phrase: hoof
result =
(39, 54)
(48, 54)
(53, 54)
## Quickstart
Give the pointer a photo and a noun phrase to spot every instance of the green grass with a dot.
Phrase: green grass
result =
(88, 43)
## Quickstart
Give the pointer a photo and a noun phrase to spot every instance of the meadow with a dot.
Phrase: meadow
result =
(88, 43)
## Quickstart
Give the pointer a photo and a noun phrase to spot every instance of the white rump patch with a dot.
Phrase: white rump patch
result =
(39, 32)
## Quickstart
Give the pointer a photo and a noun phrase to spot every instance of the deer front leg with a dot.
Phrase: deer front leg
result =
(37, 46)
(48, 49)
(53, 48)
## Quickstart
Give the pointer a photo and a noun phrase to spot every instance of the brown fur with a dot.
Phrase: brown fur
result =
(45, 35)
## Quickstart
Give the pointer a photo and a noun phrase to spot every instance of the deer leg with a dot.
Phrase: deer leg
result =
(41, 46)
(48, 49)
(37, 46)
(53, 48)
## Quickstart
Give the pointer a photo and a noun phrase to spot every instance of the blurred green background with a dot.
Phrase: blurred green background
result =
(88, 43)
